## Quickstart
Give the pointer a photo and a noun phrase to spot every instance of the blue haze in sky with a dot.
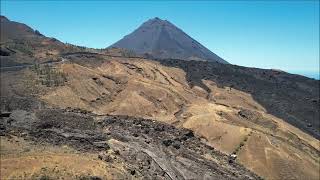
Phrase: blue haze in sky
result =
(279, 34)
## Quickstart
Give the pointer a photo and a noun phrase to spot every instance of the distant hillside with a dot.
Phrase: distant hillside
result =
(20, 44)
(161, 39)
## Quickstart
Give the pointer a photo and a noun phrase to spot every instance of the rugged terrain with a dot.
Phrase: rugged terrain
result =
(116, 147)
(133, 116)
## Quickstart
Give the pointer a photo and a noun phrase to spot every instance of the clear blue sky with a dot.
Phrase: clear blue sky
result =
(278, 34)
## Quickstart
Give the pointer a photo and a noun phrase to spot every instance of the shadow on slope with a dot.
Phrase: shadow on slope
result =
(290, 97)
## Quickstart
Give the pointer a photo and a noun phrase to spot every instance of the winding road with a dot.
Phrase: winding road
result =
(8, 68)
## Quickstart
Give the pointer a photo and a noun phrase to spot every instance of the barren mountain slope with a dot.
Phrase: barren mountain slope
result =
(228, 119)
(262, 116)
(161, 39)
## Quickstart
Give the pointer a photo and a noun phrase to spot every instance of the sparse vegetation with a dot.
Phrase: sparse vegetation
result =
(50, 75)
(128, 53)
(38, 33)
(242, 143)
(22, 46)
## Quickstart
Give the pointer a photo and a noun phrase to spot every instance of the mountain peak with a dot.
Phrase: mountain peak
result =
(161, 39)
(156, 21)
